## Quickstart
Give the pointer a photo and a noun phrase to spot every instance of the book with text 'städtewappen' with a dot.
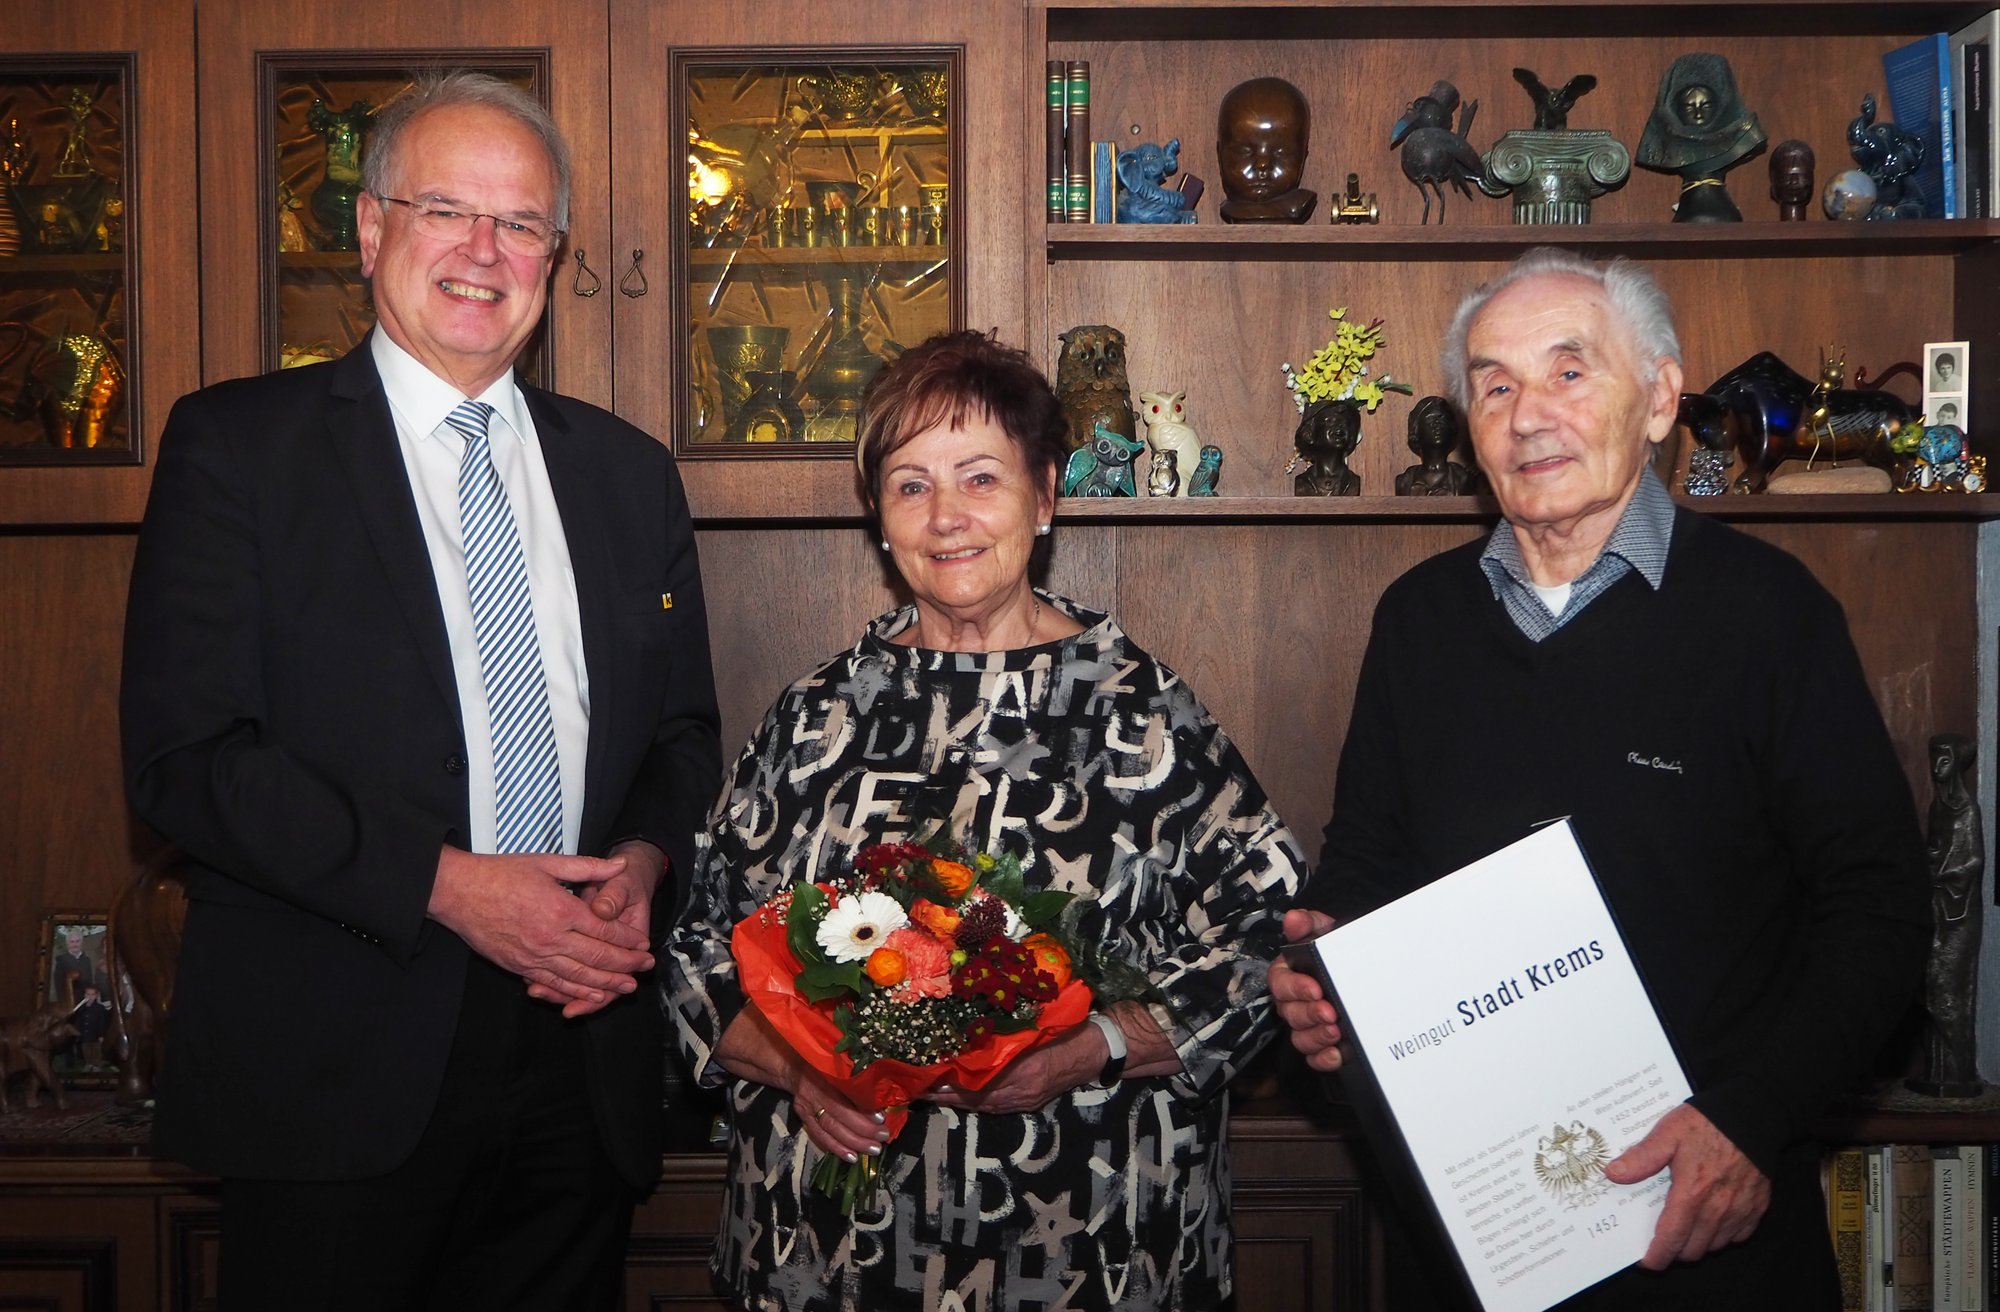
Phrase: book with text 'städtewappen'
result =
(1499, 1048)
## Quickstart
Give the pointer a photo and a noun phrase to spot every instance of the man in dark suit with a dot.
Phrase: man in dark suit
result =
(407, 639)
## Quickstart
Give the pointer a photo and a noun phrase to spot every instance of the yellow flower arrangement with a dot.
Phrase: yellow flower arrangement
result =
(1338, 371)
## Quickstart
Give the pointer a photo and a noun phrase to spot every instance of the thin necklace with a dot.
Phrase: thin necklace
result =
(1034, 621)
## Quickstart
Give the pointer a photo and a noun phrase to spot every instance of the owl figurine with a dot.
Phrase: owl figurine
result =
(1163, 477)
(1202, 482)
(1167, 430)
(1091, 384)
(1102, 469)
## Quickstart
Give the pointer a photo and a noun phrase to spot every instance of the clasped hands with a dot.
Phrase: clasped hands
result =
(1716, 1198)
(576, 950)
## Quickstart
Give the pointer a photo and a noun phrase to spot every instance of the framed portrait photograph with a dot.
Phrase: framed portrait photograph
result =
(75, 973)
(1947, 367)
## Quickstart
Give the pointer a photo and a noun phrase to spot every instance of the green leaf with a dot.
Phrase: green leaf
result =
(1006, 884)
(1043, 911)
(823, 981)
(809, 907)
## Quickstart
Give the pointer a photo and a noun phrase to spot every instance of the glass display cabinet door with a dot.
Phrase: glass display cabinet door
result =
(65, 262)
(815, 204)
(316, 303)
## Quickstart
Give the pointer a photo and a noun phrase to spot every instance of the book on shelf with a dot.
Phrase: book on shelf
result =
(1076, 142)
(1449, 988)
(1918, 77)
(1057, 123)
(1909, 1199)
(1947, 1239)
(1975, 116)
(1881, 1291)
(1103, 182)
(1846, 1202)
(1973, 1257)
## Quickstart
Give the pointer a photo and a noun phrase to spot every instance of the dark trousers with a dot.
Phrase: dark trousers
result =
(507, 1202)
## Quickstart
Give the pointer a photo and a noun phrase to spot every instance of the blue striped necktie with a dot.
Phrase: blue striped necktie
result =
(527, 784)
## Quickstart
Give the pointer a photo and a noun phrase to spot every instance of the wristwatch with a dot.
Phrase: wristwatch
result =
(1114, 1038)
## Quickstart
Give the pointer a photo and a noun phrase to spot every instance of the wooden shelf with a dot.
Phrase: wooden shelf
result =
(913, 258)
(1272, 20)
(90, 262)
(1861, 506)
(288, 260)
(1815, 239)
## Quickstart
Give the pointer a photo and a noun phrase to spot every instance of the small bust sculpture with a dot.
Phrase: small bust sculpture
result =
(1327, 434)
(1957, 859)
(1262, 131)
(1432, 438)
(1792, 179)
(1700, 128)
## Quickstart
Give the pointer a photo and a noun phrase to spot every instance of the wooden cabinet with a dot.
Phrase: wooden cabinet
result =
(135, 63)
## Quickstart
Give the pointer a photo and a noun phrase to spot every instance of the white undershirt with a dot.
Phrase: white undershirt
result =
(432, 450)
(1555, 598)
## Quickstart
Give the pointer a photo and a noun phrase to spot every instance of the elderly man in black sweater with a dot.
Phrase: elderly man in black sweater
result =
(1757, 842)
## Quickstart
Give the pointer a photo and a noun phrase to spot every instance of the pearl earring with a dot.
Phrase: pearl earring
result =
(885, 544)
(1041, 530)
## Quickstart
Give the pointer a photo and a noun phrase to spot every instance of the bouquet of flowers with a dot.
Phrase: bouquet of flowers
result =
(920, 967)
(1338, 371)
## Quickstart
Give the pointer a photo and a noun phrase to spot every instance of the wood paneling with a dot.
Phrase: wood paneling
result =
(65, 840)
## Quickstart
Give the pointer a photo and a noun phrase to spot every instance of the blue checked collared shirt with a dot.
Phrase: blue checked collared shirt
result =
(1639, 542)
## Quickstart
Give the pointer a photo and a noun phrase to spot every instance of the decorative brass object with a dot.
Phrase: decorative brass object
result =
(1354, 207)
(843, 95)
(81, 405)
(740, 351)
(75, 160)
(292, 237)
(13, 168)
(111, 227)
(924, 90)
(633, 284)
(841, 373)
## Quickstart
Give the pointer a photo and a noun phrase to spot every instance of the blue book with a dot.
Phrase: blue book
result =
(1920, 98)
(1103, 183)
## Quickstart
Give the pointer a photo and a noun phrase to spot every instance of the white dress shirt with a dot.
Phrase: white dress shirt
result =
(432, 451)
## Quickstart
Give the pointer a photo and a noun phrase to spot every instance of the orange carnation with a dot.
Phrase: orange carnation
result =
(1050, 956)
(953, 878)
(941, 922)
(886, 967)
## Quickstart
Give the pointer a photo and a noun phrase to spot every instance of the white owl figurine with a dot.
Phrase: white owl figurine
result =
(1167, 429)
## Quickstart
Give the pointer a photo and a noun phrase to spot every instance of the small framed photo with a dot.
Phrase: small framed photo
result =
(75, 974)
(1947, 367)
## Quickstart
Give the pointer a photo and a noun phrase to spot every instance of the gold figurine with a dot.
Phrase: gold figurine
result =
(75, 161)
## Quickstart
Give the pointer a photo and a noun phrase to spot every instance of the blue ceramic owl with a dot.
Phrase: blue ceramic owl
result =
(1102, 469)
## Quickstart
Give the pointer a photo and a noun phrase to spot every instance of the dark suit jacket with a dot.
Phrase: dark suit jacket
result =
(291, 721)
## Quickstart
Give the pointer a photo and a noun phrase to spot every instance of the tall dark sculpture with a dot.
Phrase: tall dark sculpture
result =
(1262, 132)
(1435, 155)
(1700, 128)
(1957, 852)
(1327, 434)
(1433, 435)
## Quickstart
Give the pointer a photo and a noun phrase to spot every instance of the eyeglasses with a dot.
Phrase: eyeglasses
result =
(515, 236)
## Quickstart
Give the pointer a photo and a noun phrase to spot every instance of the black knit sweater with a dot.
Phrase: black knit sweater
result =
(1729, 778)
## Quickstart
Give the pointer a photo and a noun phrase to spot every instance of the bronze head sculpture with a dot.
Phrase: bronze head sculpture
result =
(1262, 133)
(1700, 129)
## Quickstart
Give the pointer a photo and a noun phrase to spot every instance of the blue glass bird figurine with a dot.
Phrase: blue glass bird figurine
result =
(1434, 156)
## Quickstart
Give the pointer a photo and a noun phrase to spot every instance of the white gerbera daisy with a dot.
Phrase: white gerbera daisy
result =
(857, 924)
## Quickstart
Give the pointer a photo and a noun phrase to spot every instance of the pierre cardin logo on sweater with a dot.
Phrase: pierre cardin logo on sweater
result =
(1653, 762)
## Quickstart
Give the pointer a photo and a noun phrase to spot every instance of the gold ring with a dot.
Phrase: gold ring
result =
(821, 1112)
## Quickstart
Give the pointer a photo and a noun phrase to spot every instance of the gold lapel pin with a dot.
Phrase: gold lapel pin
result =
(666, 601)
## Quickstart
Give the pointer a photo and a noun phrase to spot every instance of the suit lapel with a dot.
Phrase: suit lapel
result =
(572, 481)
(363, 433)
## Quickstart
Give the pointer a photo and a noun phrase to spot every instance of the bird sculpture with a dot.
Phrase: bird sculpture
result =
(1552, 107)
(1168, 433)
(1435, 156)
(1206, 471)
(1102, 469)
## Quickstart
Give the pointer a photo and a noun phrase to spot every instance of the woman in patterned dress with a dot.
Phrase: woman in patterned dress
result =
(1032, 725)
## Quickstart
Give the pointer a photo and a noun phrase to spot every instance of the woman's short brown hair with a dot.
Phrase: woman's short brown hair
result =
(950, 379)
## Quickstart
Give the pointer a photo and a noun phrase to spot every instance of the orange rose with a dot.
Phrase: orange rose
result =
(886, 967)
(941, 922)
(1049, 955)
(955, 879)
